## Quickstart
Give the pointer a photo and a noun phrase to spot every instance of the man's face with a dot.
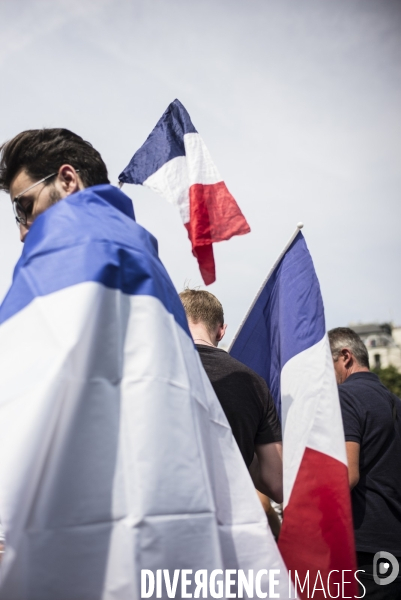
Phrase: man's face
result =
(38, 199)
(35, 201)
(340, 371)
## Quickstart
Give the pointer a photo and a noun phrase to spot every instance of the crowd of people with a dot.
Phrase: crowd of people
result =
(41, 167)
(372, 428)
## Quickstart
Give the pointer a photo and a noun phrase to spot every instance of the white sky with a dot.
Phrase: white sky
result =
(298, 101)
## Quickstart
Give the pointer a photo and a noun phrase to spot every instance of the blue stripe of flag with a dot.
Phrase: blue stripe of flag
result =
(164, 143)
(90, 236)
(287, 318)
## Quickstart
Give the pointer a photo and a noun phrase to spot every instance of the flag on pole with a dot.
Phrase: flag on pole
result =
(175, 162)
(283, 338)
(116, 454)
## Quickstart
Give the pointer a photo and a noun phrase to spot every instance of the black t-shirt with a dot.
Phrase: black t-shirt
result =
(376, 500)
(245, 399)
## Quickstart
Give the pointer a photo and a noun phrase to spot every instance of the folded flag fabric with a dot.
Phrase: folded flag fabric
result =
(283, 338)
(116, 454)
(175, 162)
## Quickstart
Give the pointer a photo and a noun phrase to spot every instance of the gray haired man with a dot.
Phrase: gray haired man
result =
(372, 427)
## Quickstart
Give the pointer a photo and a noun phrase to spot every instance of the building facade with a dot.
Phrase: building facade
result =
(383, 342)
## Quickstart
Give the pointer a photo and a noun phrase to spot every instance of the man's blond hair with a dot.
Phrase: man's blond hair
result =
(202, 307)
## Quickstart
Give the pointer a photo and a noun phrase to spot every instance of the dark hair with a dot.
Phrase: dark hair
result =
(344, 337)
(43, 151)
(202, 307)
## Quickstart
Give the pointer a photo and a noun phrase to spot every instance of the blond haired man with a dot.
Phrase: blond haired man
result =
(242, 393)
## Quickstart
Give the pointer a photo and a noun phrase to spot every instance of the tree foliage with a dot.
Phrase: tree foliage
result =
(391, 378)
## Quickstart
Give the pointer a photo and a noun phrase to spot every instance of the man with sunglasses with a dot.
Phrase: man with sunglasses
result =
(116, 454)
(39, 167)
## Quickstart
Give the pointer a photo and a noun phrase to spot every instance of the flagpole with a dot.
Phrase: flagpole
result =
(294, 235)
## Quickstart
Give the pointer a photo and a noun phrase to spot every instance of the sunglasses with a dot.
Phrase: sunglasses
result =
(23, 212)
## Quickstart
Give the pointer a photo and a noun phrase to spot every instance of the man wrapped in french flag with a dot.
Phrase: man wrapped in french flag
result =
(116, 454)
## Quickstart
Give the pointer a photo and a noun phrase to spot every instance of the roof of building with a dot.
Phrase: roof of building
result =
(369, 328)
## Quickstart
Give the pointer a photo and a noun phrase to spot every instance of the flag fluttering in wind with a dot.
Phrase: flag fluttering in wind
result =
(116, 454)
(283, 338)
(175, 162)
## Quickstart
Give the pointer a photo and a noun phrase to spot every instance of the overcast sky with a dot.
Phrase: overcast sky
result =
(298, 102)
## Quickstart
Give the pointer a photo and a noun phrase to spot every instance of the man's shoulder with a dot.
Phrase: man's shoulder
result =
(364, 392)
(355, 386)
(225, 361)
(363, 382)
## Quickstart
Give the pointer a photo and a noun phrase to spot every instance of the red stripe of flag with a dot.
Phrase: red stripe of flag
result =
(317, 526)
(214, 216)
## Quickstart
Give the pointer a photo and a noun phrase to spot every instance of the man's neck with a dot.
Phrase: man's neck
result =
(356, 368)
(201, 335)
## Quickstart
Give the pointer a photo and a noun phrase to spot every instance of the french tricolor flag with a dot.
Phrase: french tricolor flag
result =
(116, 454)
(175, 162)
(283, 338)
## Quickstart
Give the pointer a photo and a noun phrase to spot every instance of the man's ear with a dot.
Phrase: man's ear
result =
(221, 332)
(68, 180)
(347, 357)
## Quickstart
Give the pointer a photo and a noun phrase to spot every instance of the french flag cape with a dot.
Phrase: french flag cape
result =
(284, 340)
(116, 454)
(175, 162)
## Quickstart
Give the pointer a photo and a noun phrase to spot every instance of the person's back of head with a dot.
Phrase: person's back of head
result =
(202, 307)
(348, 351)
(344, 337)
(40, 152)
(205, 315)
